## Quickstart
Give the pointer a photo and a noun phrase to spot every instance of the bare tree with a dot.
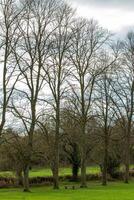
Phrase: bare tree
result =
(104, 107)
(124, 96)
(57, 71)
(31, 54)
(70, 140)
(105, 115)
(8, 39)
(87, 42)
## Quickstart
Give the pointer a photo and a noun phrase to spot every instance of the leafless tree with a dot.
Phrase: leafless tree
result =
(124, 96)
(8, 39)
(57, 71)
(31, 54)
(105, 115)
(87, 43)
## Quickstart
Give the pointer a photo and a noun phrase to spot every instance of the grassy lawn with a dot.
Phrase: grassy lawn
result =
(47, 172)
(114, 191)
(63, 171)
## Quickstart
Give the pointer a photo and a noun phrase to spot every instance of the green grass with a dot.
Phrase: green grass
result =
(65, 171)
(6, 174)
(47, 172)
(114, 191)
(62, 171)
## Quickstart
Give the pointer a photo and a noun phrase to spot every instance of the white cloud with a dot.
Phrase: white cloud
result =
(122, 4)
(115, 18)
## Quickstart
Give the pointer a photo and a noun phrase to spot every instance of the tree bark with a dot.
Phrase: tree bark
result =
(83, 154)
(104, 170)
(56, 153)
(83, 173)
(56, 166)
(83, 164)
(19, 177)
(56, 175)
(127, 161)
(26, 179)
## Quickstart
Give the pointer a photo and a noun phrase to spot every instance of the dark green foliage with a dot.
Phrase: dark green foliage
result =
(113, 166)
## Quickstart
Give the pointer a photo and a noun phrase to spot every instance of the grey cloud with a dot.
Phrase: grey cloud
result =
(122, 4)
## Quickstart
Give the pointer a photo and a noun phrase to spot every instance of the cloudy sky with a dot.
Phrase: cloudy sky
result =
(116, 15)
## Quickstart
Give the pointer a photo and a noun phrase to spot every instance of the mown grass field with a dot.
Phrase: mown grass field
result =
(114, 191)
(95, 191)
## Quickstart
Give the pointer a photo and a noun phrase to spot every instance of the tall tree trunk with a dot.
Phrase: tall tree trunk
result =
(126, 178)
(56, 175)
(56, 166)
(83, 164)
(104, 170)
(56, 152)
(19, 177)
(28, 159)
(83, 156)
(26, 178)
(127, 160)
(83, 173)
